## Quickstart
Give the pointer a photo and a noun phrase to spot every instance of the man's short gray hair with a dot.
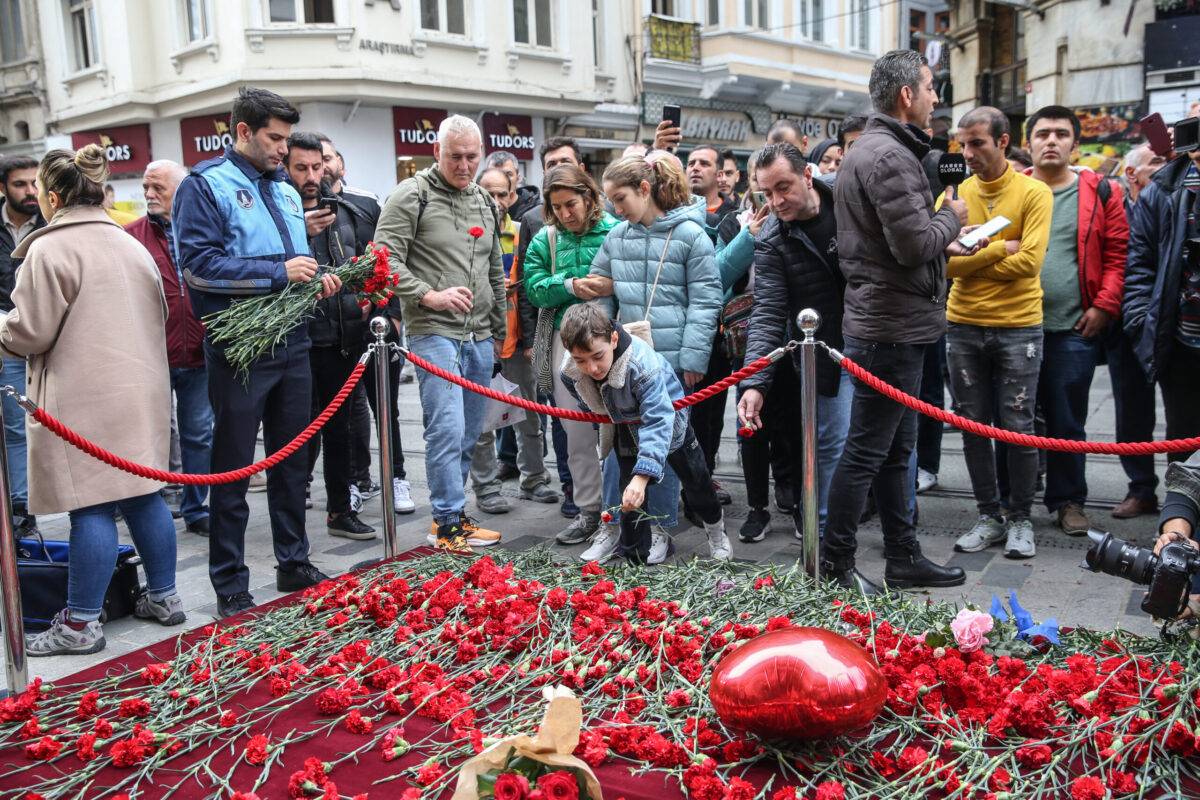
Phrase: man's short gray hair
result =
(1139, 156)
(500, 158)
(892, 72)
(458, 125)
(176, 170)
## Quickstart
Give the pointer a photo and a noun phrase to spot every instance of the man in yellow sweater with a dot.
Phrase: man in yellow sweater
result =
(994, 337)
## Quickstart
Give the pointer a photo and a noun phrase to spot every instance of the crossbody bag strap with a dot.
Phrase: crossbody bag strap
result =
(658, 273)
(552, 239)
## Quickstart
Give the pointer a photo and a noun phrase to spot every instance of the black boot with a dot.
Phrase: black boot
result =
(849, 579)
(903, 572)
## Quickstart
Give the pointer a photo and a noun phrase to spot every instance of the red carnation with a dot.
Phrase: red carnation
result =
(745, 431)
(257, 750)
(357, 723)
(475, 231)
(430, 773)
(1033, 756)
(134, 707)
(1087, 787)
(831, 790)
(228, 719)
(89, 705)
(560, 785)
(43, 749)
(333, 701)
(510, 786)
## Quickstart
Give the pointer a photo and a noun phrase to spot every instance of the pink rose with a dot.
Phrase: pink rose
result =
(969, 628)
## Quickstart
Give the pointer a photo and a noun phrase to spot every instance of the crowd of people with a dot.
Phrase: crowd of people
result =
(617, 293)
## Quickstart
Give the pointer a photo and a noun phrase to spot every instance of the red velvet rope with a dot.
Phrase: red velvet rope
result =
(757, 365)
(94, 450)
(1011, 437)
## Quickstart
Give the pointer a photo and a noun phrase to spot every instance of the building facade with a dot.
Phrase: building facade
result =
(22, 95)
(153, 79)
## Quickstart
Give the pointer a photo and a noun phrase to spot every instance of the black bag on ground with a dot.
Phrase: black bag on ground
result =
(42, 571)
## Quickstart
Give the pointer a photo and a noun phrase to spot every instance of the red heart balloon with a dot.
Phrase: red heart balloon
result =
(798, 683)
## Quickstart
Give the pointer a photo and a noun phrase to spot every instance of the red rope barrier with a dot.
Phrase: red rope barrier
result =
(94, 450)
(758, 365)
(1012, 437)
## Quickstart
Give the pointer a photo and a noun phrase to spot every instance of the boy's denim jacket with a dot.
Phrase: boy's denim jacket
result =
(640, 386)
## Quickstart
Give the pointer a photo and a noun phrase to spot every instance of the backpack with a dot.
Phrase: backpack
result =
(735, 324)
(423, 200)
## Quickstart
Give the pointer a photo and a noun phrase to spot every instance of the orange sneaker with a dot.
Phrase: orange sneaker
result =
(449, 537)
(477, 536)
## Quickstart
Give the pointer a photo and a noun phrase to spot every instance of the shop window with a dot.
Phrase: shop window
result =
(811, 24)
(306, 11)
(532, 22)
(81, 22)
(916, 25)
(447, 16)
(758, 13)
(12, 39)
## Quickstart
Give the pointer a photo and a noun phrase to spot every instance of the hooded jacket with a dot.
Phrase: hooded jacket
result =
(683, 315)
(891, 243)
(1157, 230)
(426, 225)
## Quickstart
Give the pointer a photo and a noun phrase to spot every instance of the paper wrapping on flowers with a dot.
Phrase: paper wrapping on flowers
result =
(554, 745)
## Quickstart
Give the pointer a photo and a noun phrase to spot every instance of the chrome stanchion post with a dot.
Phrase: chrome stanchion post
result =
(808, 321)
(383, 405)
(16, 669)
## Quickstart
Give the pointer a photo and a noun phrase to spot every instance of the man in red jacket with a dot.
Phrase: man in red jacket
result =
(185, 337)
(1083, 277)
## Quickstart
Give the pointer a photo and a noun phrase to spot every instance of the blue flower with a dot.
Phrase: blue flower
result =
(1026, 627)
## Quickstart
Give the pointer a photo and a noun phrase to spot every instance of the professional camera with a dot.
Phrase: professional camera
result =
(1168, 574)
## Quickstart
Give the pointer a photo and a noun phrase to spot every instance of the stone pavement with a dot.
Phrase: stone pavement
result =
(1050, 585)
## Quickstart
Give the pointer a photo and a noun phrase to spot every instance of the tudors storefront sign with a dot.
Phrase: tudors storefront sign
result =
(204, 137)
(511, 132)
(127, 147)
(415, 130)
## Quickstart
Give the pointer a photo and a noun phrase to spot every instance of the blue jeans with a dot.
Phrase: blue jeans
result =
(453, 417)
(14, 431)
(195, 416)
(94, 551)
(662, 498)
(1068, 364)
(833, 425)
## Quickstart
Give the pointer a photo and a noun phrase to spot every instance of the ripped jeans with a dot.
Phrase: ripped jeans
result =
(994, 374)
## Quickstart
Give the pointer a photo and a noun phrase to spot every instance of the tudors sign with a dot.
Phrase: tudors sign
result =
(415, 130)
(204, 137)
(127, 147)
(511, 132)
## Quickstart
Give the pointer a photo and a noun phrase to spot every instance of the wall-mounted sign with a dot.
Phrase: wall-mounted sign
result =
(127, 147)
(415, 130)
(511, 132)
(722, 126)
(385, 48)
(204, 137)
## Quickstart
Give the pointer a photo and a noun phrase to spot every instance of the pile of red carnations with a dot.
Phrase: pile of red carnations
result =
(383, 683)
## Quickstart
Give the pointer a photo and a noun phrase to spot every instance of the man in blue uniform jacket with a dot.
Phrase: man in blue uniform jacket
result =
(240, 231)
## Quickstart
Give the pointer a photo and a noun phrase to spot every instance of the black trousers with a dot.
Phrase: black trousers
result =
(688, 462)
(361, 425)
(1179, 377)
(708, 418)
(276, 393)
(769, 449)
(881, 439)
(330, 370)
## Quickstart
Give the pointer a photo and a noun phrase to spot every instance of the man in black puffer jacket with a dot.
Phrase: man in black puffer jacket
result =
(796, 267)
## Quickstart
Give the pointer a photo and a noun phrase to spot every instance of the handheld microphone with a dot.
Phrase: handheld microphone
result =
(952, 170)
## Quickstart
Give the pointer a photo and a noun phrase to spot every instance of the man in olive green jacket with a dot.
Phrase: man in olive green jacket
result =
(441, 230)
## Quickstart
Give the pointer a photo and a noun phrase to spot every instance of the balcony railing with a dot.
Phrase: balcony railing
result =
(672, 40)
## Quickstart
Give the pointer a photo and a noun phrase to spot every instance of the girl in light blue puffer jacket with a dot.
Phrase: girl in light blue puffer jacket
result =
(663, 224)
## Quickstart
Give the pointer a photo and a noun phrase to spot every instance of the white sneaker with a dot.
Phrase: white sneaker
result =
(356, 499)
(1020, 539)
(719, 547)
(986, 532)
(660, 545)
(402, 497)
(605, 544)
(926, 480)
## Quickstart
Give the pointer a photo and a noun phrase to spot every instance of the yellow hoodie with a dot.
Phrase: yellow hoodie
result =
(992, 288)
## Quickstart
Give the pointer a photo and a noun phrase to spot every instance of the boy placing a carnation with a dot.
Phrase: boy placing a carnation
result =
(611, 372)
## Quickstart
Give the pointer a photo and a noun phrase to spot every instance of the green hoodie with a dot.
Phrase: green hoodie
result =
(575, 254)
(432, 249)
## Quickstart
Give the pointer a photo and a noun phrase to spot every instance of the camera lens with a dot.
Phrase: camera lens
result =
(1116, 557)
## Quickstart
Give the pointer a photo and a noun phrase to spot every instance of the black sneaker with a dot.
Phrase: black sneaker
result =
(24, 523)
(228, 605)
(568, 508)
(369, 489)
(349, 526)
(757, 525)
(298, 577)
(722, 496)
(785, 500)
(198, 527)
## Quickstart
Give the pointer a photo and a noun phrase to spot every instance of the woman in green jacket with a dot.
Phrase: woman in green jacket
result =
(555, 272)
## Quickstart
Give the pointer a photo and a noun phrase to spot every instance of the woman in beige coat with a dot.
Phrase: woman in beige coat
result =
(89, 315)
